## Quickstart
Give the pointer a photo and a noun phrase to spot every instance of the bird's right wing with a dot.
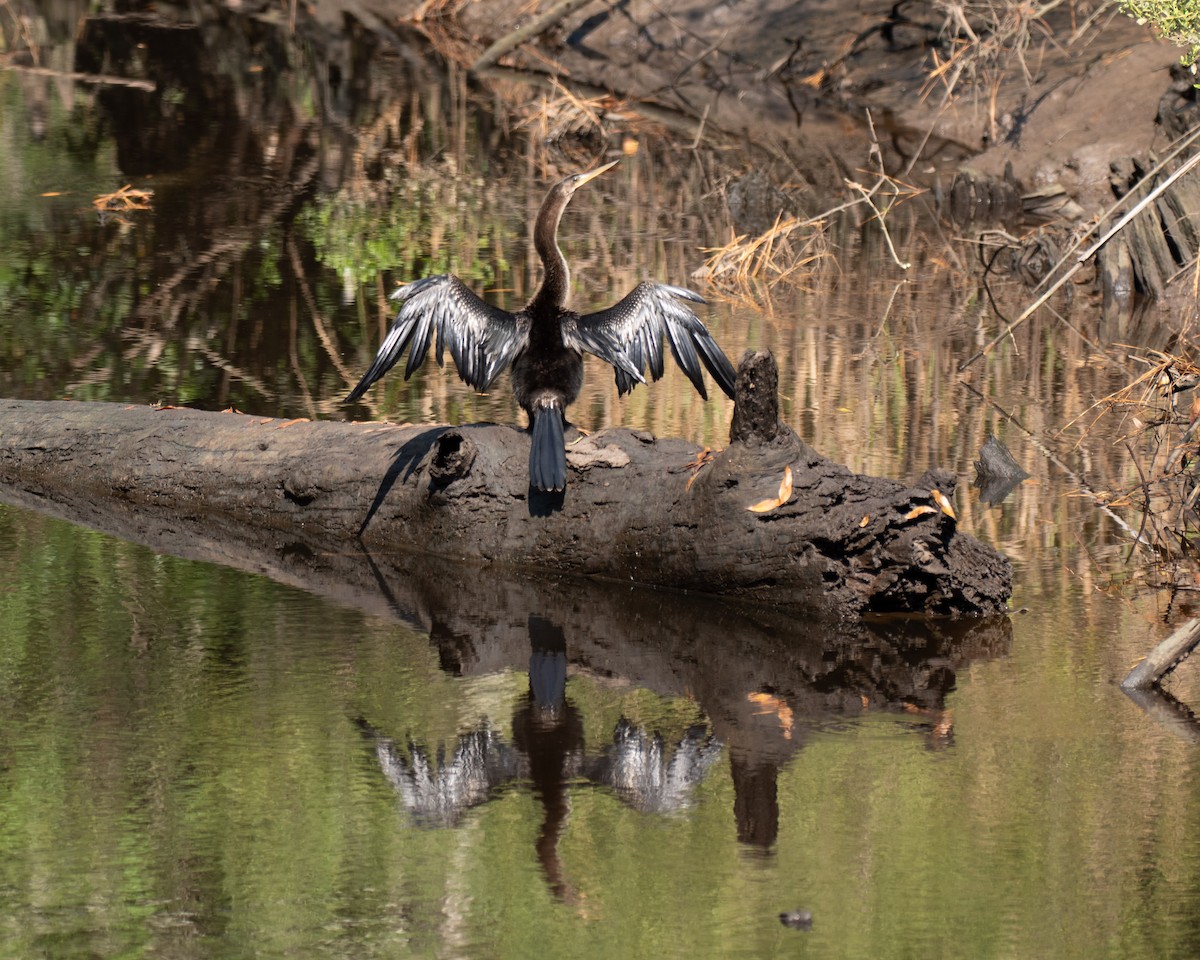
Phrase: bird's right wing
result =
(482, 339)
(630, 335)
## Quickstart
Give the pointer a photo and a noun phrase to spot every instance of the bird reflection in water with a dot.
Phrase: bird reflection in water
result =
(549, 753)
(438, 793)
(652, 778)
(544, 342)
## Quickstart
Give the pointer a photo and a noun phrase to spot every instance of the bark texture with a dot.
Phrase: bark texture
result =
(636, 508)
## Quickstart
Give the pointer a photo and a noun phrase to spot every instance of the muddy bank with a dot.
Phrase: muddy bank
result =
(1023, 122)
(799, 77)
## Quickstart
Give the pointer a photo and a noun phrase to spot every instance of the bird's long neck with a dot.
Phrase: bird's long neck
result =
(556, 278)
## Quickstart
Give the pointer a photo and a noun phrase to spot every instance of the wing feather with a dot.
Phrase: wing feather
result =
(630, 335)
(482, 339)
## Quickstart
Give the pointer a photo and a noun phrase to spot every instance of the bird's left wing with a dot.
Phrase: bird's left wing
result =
(630, 334)
(482, 339)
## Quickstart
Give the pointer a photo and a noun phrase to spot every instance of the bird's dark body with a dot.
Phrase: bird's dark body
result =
(547, 371)
(546, 378)
(544, 343)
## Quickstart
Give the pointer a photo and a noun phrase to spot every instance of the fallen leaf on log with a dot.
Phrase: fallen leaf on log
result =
(785, 493)
(919, 511)
(943, 501)
(696, 464)
(865, 520)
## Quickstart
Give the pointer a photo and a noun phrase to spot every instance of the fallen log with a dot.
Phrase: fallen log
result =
(655, 511)
(1164, 658)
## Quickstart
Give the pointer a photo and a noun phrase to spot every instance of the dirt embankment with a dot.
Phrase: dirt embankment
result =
(1057, 99)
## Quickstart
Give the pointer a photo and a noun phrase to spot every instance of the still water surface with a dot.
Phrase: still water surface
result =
(196, 761)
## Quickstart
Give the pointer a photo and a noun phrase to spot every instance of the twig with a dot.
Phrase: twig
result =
(1145, 493)
(535, 27)
(97, 78)
(880, 216)
(700, 128)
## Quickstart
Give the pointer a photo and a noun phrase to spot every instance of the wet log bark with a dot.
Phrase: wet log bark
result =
(636, 508)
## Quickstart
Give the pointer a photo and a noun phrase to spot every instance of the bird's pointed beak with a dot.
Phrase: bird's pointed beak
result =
(583, 178)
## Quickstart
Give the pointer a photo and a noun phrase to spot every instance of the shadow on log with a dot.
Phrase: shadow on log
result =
(637, 509)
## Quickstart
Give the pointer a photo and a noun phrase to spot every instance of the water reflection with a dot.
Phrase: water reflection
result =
(437, 792)
(765, 682)
(548, 751)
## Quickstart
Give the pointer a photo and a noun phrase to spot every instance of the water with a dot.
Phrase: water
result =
(410, 759)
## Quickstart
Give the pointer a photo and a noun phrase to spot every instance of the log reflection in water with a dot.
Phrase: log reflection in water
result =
(765, 678)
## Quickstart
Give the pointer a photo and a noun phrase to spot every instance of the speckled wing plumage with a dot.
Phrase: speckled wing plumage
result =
(482, 339)
(629, 335)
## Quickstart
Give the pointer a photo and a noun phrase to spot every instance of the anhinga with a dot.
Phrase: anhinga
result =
(545, 341)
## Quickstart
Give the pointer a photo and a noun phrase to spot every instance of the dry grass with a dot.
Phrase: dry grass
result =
(788, 252)
(985, 38)
(793, 248)
(561, 117)
(125, 199)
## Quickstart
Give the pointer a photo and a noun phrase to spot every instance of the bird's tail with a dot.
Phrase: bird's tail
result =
(547, 453)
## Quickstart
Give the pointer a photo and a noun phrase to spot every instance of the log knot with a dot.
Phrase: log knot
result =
(452, 456)
(756, 399)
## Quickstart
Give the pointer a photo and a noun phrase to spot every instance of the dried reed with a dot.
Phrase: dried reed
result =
(788, 252)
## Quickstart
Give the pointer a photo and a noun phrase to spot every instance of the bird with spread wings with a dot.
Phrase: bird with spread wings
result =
(544, 342)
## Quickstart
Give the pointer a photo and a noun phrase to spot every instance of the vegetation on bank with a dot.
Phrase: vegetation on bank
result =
(1177, 21)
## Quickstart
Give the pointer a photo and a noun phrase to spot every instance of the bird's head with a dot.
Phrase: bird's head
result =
(545, 230)
(568, 185)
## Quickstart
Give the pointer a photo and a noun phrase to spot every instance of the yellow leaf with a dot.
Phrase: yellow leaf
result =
(919, 511)
(785, 494)
(768, 704)
(944, 503)
(785, 485)
(865, 520)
